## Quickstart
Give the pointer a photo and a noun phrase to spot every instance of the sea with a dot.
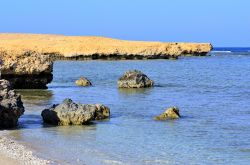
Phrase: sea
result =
(212, 93)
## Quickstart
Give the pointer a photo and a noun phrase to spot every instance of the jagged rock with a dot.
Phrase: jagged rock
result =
(170, 113)
(11, 105)
(83, 82)
(70, 113)
(134, 79)
(101, 112)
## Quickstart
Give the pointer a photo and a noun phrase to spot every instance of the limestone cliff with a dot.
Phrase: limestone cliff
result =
(28, 57)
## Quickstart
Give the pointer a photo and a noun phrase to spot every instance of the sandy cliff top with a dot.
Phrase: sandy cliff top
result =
(68, 46)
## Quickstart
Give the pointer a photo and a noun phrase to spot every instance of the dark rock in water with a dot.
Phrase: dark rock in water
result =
(134, 79)
(170, 113)
(70, 113)
(11, 105)
(83, 82)
(29, 81)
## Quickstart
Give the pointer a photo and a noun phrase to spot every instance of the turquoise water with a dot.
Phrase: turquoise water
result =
(213, 94)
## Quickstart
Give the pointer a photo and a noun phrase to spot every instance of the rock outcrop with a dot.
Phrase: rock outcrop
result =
(170, 113)
(11, 105)
(70, 113)
(28, 57)
(134, 79)
(83, 82)
(29, 70)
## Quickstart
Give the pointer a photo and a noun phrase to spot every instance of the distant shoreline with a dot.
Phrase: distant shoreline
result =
(28, 58)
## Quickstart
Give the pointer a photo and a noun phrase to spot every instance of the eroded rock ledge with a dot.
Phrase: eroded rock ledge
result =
(28, 58)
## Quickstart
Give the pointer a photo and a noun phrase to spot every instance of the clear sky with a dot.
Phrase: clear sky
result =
(221, 22)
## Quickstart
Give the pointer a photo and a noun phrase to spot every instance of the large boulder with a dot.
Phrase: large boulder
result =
(134, 79)
(170, 113)
(11, 105)
(83, 82)
(70, 113)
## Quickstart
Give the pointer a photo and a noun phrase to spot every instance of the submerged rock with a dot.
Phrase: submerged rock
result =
(11, 105)
(70, 113)
(83, 82)
(170, 113)
(134, 79)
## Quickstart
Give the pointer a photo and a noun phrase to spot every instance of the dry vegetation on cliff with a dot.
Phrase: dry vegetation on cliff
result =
(69, 46)
(28, 58)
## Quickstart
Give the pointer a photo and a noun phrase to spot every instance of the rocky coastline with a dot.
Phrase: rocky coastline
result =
(28, 58)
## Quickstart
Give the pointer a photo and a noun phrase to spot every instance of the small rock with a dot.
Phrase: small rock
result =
(102, 112)
(170, 113)
(83, 82)
(70, 113)
(134, 79)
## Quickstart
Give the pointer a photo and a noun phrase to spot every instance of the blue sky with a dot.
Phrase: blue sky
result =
(221, 22)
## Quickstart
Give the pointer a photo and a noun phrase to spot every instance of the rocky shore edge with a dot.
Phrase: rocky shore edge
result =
(28, 58)
(14, 153)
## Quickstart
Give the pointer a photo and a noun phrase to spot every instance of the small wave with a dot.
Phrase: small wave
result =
(222, 51)
(113, 162)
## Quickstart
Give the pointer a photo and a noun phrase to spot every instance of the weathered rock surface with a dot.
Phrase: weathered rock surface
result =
(29, 70)
(134, 79)
(170, 113)
(101, 112)
(83, 82)
(29, 57)
(11, 106)
(70, 113)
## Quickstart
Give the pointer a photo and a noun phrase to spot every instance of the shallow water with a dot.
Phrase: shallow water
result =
(213, 95)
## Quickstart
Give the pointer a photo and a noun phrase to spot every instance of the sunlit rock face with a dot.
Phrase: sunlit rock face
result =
(83, 81)
(71, 113)
(134, 79)
(169, 113)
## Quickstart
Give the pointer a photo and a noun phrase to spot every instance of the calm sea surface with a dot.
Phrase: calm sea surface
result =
(213, 94)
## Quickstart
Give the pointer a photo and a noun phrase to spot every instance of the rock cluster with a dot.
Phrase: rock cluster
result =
(70, 113)
(83, 82)
(134, 79)
(11, 105)
(170, 113)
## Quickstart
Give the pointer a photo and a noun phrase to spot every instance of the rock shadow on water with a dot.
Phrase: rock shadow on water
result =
(36, 96)
(27, 121)
(33, 122)
(170, 85)
(131, 91)
(70, 130)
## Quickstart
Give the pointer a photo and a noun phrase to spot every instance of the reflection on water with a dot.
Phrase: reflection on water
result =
(212, 94)
(36, 96)
(128, 91)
